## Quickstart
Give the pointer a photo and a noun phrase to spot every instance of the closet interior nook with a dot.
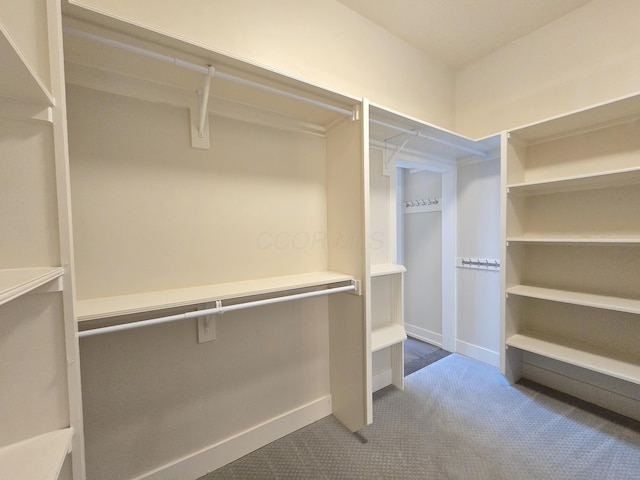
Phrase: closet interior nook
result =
(572, 253)
(41, 414)
(175, 238)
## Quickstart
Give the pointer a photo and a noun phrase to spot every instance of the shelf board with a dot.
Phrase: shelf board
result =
(19, 80)
(19, 281)
(568, 240)
(585, 119)
(614, 178)
(619, 304)
(387, 336)
(382, 269)
(578, 356)
(38, 458)
(106, 307)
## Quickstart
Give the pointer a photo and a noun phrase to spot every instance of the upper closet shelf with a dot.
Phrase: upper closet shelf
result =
(615, 178)
(595, 117)
(628, 305)
(38, 458)
(17, 282)
(382, 269)
(18, 80)
(106, 307)
(574, 240)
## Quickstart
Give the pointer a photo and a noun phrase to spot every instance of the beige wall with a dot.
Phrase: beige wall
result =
(589, 56)
(316, 40)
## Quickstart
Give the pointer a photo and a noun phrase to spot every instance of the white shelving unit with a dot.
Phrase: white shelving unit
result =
(99, 308)
(254, 187)
(571, 187)
(41, 413)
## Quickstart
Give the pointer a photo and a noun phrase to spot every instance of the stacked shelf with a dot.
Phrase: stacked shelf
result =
(106, 307)
(572, 241)
(39, 358)
(50, 449)
(392, 332)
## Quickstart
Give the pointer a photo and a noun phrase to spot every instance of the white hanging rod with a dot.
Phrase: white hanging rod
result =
(204, 70)
(417, 133)
(217, 310)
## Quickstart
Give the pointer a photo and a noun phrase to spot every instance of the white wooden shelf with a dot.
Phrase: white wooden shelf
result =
(38, 458)
(570, 240)
(106, 307)
(19, 80)
(386, 336)
(577, 355)
(581, 121)
(383, 269)
(614, 178)
(20, 281)
(619, 304)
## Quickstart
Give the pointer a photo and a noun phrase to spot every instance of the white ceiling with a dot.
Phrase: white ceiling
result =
(459, 32)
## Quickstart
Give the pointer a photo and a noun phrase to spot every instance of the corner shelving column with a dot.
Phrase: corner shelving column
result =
(40, 392)
(571, 250)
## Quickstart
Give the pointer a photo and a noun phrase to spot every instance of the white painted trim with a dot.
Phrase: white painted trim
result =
(423, 334)
(219, 454)
(381, 380)
(478, 353)
(449, 247)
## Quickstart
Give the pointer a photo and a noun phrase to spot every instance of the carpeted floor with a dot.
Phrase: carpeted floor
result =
(456, 419)
(418, 354)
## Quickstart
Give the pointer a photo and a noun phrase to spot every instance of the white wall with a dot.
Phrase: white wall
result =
(586, 57)
(478, 291)
(316, 40)
(423, 259)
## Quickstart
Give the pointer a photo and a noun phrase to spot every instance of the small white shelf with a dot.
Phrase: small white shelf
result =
(576, 355)
(619, 304)
(386, 336)
(20, 281)
(569, 240)
(38, 458)
(19, 80)
(383, 269)
(106, 307)
(614, 178)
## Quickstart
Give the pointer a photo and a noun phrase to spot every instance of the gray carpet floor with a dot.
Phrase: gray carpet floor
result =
(456, 419)
(418, 354)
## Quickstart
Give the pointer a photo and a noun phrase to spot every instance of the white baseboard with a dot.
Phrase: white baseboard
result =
(219, 454)
(478, 353)
(423, 334)
(381, 380)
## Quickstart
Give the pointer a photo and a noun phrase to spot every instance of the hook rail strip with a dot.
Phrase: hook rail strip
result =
(219, 309)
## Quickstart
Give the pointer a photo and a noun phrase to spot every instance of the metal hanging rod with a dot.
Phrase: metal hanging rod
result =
(419, 134)
(205, 70)
(218, 309)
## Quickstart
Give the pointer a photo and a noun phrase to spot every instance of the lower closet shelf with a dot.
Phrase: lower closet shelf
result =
(387, 336)
(38, 458)
(107, 307)
(576, 356)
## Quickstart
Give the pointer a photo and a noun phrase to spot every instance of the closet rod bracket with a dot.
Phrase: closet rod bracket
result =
(207, 324)
(199, 112)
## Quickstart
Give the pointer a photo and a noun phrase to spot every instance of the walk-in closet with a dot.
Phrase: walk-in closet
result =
(222, 220)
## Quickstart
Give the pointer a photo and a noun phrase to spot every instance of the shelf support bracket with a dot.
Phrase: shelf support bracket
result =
(199, 116)
(388, 163)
